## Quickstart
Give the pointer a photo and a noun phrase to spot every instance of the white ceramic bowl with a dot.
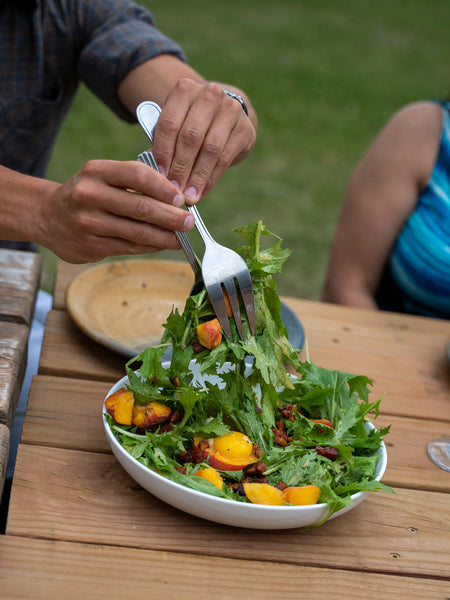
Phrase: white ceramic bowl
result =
(221, 510)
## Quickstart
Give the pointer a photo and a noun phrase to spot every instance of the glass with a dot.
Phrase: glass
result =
(439, 452)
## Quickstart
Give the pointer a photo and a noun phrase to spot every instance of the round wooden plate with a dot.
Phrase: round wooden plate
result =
(123, 304)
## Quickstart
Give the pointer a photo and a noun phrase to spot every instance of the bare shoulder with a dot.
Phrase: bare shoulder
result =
(411, 140)
(419, 118)
(419, 127)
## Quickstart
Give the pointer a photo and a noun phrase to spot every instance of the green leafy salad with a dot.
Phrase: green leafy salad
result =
(257, 434)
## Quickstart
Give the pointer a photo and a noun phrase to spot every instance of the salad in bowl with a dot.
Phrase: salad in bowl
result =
(244, 431)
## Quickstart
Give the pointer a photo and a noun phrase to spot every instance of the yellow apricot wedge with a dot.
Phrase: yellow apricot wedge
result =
(120, 406)
(263, 493)
(299, 495)
(209, 334)
(211, 475)
(150, 414)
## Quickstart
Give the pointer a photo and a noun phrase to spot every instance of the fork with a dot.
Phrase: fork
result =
(222, 269)
(148, 159)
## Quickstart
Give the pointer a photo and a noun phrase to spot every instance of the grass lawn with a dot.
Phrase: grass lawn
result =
(323, 76)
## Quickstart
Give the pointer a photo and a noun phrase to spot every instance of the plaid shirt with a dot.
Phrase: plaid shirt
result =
(46, 48)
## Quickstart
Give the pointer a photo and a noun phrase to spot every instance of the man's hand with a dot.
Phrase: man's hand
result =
(110, 208)
(201, 130)
(200, 133)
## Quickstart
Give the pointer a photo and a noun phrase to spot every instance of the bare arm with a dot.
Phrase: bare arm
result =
(110, 208)
(106, 209)
(381, 194)
(201, 131)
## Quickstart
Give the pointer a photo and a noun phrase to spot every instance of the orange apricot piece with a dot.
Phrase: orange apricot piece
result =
(301, 494)
(120, 406)
(263, 493)
(209, 334)
(211, 475)
(150, 414)
(324, 422)
(227, 304)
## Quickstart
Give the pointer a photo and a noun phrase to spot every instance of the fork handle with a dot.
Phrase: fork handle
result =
(149, 160)
(201, 227)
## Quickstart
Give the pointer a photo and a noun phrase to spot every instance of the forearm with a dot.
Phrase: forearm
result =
(347, 295)
(21, 199)
(153, 80)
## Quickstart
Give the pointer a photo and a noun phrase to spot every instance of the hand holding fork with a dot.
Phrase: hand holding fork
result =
(223, 271)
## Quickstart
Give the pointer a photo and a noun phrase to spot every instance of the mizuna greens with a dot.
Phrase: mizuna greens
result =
(252, 399)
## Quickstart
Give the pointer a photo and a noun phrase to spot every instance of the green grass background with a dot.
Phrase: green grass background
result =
(324, 76)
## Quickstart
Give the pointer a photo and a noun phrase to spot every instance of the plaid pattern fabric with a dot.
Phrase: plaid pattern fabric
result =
(47, 47)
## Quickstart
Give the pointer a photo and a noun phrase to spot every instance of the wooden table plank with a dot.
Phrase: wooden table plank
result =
(13, 360)
(68, 352)
(4, 454)
(19, 282)
(57, 570)
(406, 533)
(65, 413)
(65, 273)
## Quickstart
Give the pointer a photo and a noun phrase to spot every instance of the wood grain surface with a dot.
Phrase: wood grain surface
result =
(19, 282)
(403, 533)
(73, 571)
(4, 454)
(13, 360)
(85, 529)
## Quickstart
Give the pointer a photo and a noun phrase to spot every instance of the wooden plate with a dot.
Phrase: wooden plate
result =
(123, 304)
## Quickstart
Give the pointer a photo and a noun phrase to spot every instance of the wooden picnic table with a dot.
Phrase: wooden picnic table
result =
(80, 527)
(19, 283)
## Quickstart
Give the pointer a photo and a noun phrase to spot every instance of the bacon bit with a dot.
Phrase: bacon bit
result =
(166, 427)
(255, 469)
(281, 485)
(280, 438)
(328, 452)
(257, 451)
(197, 347)
(288, 411)
(175, 416)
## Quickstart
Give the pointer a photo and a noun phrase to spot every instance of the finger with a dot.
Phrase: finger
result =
(203, 134)
(139, 207)
(170, 122)
(110, 232)
(133, 175)
(219, 149)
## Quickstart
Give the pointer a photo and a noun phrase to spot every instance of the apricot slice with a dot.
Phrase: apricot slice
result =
(209, 334)
(211, 475)
(227, 304)
(301, 494)
(120, 406)
(150, 414)
(324, 422)
(230, 452)
(263, 493)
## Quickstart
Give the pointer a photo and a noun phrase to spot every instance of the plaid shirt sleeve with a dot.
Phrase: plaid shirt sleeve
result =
(46, 48)
(119, 35)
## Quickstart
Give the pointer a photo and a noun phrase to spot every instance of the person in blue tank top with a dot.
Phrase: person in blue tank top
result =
(391, 249)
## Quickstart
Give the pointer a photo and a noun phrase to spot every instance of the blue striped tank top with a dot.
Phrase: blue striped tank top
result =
(419, 266)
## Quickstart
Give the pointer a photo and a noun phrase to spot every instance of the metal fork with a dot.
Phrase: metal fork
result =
(223, 270)
(148, 159)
